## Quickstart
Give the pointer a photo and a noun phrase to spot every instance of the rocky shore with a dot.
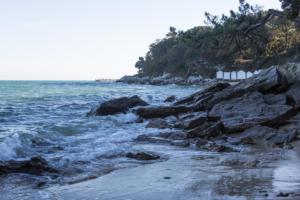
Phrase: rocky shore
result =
(262, 109)
(246, 134)
(167, 79)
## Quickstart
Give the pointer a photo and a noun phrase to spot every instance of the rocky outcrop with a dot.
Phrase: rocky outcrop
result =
(250, 110)
(263, 103)
(36, 166)
(262, 109)
(120, 105)
(166, 79)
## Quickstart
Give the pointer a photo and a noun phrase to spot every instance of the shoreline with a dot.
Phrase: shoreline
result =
(189, 174)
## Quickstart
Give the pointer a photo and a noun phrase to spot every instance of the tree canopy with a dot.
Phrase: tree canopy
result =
(250, 38)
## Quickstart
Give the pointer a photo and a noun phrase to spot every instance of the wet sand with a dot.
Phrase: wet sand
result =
(189, 175)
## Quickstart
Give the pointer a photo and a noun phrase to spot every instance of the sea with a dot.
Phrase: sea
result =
(49, 119)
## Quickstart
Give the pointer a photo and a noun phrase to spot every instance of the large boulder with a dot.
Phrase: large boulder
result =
(162, 112)
(119, 105)
(36, 166)
(250, 110)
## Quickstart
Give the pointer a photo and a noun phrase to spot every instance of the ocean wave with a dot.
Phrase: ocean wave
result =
(9, 147)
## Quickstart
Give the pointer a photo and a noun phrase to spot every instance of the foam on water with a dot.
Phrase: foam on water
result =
(9, 146)
(49, 119)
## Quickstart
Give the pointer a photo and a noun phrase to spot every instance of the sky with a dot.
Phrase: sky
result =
(92, 39)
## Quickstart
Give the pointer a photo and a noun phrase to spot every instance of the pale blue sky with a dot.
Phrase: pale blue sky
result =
(90, 39)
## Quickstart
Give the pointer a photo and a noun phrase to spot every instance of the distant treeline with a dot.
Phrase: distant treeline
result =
(248, 39)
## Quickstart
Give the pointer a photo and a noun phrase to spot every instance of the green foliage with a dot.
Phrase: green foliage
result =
(239, 40)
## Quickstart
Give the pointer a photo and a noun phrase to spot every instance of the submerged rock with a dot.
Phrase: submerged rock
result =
(119, 105)
(36, 166)
(157, 123)
(180, 143)
(152, 139)
(143, 156)
(170, 99)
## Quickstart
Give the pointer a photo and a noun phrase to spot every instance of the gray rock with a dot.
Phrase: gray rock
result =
(293, 96)
(207, 130)
(197, 120)
(291, 71)
(260, 134)
(178, 136)
(170, 99)
(161, 112)
(213, 146)
(208, 92)
(268, 81)
(119, 105)
(143, 156)
(241, 113)
(36, 165)
(275, 99)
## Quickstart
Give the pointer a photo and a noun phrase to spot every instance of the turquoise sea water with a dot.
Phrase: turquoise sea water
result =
(48, 118)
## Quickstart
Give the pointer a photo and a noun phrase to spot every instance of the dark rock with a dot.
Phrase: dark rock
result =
(243, 140)
(139, 120)
(164, 134)
(293, 124)
(241, 113)
(202, 94)
(218, 147)
(293, 96)
(36, 166)
(260, 134)
(200, 142)
(285, 194)
(239, 163)
(291, 71)
(275, 99)
(170, 99)
(161, 112)
(157, 123)
(207, 130)
(268, 81)
(178, 136)
(196, 121)
(143, 156)
(120, 105)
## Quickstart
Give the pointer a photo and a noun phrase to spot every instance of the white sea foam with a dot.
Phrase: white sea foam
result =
(9, 146)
